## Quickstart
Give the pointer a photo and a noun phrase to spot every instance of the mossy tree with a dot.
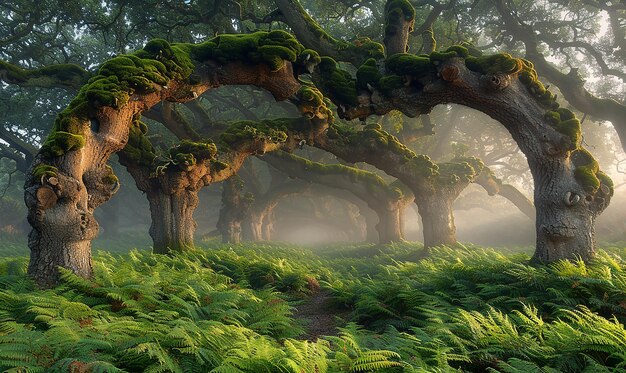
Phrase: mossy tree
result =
(570, 191)
(235, 207)
(172, 183)
(435, 186)
(388, 200)
(98, 121)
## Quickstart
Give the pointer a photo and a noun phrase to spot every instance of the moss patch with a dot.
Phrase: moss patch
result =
(44, 170)
(499, 63)
(268, 130)
(338, 83)
(61, 142)
(139, 150)
(410, 64)
(565, 122)
(312, 102)
(397, 12)
(586, 170)
(368, 75)
(272, 48)
(65, 75)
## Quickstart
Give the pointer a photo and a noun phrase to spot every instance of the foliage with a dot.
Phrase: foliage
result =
(228, 309)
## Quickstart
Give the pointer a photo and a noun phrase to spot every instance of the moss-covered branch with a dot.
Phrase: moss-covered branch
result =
(309, 32)
(571, 85)
(65, 76)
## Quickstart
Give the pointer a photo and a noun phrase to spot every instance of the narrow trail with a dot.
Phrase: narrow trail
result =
(320, 318)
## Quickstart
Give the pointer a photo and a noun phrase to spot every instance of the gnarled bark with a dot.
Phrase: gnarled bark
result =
(63, 222)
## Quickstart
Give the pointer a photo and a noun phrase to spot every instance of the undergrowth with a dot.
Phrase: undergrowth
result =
(229, 309)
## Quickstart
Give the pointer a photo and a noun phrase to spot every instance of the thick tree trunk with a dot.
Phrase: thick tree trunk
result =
(49, 253)
(61, 214)
(255, 222)
(172, 226)
(565, 213)
(437, 219)
(389, 226)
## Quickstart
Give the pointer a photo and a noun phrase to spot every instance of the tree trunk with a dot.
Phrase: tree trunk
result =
(60, 212)
(565, 213)
(389, 226)
(255, 222)
(48, 253)
(268, 225)
(437, 219)
(231, 233)
(172, 226)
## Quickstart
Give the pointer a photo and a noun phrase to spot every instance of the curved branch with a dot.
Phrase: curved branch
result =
(570, 84)
(65, 76)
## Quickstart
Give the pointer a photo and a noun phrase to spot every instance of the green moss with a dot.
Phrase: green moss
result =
(460, 50)
(201, 150)
(44, 170)
(459, 169)
(138, 150)
(337, 82)
(61, 142)
(390, 82)
(565, 122)
(528, 77)
(586, 170)
(310, 55)
(606, 180)
(566, 114)
(410, 64)
(62, 74)
(572, 129)
(396, 13)
(367, 48)
(494, 64)
(272, 48)
(423, 166)
(312, 102)
(438, 57)
(184, 161)
(269, 130)
(368, 73)
(109, 178)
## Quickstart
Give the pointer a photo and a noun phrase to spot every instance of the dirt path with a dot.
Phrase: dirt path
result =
(320, 318)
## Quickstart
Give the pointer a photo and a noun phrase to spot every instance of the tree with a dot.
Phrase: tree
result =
(570, 190)
(69, 178)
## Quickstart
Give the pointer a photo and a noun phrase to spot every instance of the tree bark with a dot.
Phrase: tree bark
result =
(235, 208)
(62, 201)
(173, 226)
(389, 225)
(437, 218)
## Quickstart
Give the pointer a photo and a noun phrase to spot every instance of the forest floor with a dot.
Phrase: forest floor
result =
(319, 317)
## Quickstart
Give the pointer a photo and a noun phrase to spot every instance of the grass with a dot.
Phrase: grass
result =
(230, 309)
